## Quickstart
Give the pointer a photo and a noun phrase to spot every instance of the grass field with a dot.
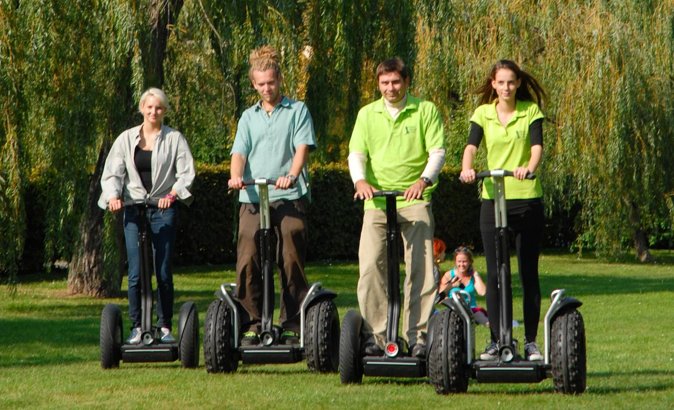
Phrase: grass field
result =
(49, 355)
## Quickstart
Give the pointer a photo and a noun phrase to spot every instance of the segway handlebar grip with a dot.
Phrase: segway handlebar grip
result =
(259, 181)
(146, 202)
(500, 173)
(387, 193)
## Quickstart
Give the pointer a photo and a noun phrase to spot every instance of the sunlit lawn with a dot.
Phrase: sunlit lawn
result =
(49, 356)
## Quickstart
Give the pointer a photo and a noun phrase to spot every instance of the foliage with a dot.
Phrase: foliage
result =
(71, 73)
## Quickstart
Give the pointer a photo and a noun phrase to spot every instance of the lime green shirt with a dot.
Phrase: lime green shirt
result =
(397, 150)
(509, 147)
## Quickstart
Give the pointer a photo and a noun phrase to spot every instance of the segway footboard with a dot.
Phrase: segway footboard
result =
(165, 352)
(394, 367)
(513, 372)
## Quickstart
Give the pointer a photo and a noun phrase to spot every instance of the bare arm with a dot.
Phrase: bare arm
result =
(467, 171)
(301, 157)
(534, 162)
(480, 287)
(237, 165)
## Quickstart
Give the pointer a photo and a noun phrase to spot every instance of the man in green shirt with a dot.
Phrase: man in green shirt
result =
(397, 144)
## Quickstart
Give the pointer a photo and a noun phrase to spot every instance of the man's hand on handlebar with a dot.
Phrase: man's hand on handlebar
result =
(235, 183)
(363, 190)
(415, 191)
(285, 182)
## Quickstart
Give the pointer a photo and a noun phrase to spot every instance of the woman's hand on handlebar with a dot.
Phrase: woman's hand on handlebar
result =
(467, 176)
(520, 172)
(363, 190)
(115, 204)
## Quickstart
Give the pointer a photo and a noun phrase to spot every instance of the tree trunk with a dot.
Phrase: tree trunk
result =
(162, 16)
(87, 273)
(639, 236)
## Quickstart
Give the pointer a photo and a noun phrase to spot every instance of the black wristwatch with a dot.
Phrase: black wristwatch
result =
(427, 181)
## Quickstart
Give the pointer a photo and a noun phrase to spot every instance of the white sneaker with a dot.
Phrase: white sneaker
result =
(490, 352)
(134, 337)
(166, 336)
(531, 352)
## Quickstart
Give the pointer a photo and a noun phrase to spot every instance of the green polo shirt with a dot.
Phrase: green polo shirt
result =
(269, 143)
(509, 147)
(397, 150)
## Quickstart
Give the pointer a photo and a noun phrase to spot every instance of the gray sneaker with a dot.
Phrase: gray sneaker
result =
(531, 352)
(134, 337)
(166, 336)
(490, 352)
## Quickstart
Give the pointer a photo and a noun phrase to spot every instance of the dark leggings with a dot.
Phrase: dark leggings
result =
(525, 223)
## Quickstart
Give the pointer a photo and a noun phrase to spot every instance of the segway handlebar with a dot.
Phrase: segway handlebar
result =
(259, 181)
(387, 193)
(146, 202)
(500, 173)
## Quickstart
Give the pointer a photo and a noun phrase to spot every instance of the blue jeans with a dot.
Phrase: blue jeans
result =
(163, 233)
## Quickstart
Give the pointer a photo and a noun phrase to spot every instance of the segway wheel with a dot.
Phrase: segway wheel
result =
(111, 336)
(567, 352)
(219, 353)
(189, 335)
(447, 367)
(350, 360)
(321, 338)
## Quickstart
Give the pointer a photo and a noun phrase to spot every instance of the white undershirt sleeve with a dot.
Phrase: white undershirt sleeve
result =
(436, 159)
(357, 161)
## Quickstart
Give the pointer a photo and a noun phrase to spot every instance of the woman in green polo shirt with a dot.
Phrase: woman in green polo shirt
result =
(510, 122)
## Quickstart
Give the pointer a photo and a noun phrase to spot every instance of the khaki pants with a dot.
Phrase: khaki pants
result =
(416, 225)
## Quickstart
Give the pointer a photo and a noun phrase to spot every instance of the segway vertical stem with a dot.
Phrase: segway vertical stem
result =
(503, 260)
(266, 256)
(393, 261)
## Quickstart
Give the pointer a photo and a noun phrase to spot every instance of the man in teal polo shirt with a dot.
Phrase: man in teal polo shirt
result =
(273, 140)
(397, 144)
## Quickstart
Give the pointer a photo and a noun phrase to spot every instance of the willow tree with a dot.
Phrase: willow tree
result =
(132, 38)
(12, 212)
(608, 157)
(612, 151)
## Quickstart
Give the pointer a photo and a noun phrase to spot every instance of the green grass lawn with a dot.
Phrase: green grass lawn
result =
(49, 355)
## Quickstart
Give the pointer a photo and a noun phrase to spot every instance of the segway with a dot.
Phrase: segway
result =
(396, 360)
(452, 348)
(151, 348)
(319, 319)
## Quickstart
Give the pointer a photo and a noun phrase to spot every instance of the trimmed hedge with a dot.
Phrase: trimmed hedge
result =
(207, 229)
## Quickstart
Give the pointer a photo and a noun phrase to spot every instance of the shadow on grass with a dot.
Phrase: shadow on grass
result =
(42, 342)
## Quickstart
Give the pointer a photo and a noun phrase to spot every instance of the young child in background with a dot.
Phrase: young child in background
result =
(464, 277)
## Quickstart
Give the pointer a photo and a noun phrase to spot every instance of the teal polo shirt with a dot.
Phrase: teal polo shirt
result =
(397, 150)
(269, 143)
(509, 147)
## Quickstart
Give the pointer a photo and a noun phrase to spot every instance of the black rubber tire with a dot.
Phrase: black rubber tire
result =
(447, 361)
(219, 353)
(189, 336)
(350, 359)
(111, 336)
(321, 337)
(567, 352)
